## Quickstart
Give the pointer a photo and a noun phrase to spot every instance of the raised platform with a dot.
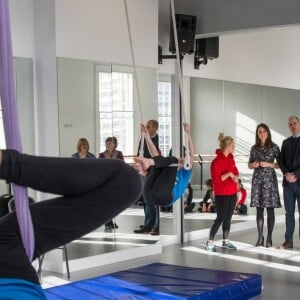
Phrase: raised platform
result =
(162, 281)
(98, 249)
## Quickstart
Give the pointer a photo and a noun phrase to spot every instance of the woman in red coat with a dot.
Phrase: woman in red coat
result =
(224, 174)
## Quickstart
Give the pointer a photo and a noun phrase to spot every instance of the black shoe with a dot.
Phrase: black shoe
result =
(260, 242)
(142, 230)
(109, 226)
(269, 243)
(154, 231)
(286, 245)
(115, 226)
(189, 208)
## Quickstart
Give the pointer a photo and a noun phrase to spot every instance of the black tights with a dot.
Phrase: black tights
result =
(225, 207)
(94, 191)
(260, 222)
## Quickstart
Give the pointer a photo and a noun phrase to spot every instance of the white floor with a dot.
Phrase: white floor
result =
(280, 269)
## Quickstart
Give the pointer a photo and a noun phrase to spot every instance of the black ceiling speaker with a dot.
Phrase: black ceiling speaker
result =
(186, 26)
(207, 47)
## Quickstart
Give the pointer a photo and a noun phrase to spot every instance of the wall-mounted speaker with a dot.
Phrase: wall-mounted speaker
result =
(207, 47)
(186, 26)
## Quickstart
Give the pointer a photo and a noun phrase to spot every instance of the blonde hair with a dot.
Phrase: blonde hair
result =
(224, 141)
(82, 141)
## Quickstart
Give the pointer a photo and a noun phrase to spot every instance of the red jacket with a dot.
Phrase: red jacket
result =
(219, 166)
(241, 197)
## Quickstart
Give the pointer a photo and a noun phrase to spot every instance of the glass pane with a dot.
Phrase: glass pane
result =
(105, 91)
(122, 91)
(123, 131)
(164, 119)
(115, 109)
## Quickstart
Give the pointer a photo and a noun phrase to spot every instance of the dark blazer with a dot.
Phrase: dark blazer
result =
(289, 157)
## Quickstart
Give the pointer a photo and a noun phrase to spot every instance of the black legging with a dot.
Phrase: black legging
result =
(160, 182)
(225, 206)
(260, 222)
(94, 191)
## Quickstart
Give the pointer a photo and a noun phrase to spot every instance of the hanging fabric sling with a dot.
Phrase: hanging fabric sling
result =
(141, 152)
(11, 125)
(187, 164)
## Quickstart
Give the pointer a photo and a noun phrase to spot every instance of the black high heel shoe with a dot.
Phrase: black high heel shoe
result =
(269, 243)
(260, 242)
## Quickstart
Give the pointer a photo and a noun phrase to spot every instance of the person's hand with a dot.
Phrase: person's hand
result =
(235, 178)
(264, 164)
(230, 174)
(144, 129)
(290, 177)
(144, 162)
(186, 128)
(255, 164)
(139, 167)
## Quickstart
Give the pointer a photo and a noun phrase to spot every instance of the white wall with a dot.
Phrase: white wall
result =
(22, 27)
(92, 30)
(266, 57)
(97, 30)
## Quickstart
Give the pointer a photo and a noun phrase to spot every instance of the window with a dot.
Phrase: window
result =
(164, 116)
(116, 109)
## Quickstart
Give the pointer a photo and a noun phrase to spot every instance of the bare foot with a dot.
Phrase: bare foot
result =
(138, 166)
(146, 163)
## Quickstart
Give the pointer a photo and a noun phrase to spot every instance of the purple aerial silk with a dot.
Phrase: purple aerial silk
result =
(11, 125)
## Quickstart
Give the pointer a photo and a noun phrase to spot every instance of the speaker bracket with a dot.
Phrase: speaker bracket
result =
(198, 61)
(161, 56)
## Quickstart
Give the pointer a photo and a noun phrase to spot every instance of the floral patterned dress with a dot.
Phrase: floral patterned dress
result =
(264, 190)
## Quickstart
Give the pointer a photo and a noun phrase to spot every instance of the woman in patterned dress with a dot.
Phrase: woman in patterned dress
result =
(264, 192)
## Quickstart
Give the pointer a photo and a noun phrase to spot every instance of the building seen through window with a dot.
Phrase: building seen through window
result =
(165, 117)
(116, 109)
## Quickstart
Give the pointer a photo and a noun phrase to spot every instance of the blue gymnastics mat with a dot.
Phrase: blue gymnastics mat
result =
(162, 281)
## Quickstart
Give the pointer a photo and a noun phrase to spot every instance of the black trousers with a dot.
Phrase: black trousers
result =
(94, 191)
(225, 208)
(160, 182)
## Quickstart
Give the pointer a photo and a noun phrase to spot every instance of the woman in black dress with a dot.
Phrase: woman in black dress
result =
(264, 192)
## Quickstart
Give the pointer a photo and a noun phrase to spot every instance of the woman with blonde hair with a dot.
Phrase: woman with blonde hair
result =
(224, 174)
(83, 148)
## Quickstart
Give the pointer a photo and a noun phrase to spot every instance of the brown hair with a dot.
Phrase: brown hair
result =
(224, 141)
(82, 141)
(154, 123)
(269, 142)
(112, 139)
(209, 183)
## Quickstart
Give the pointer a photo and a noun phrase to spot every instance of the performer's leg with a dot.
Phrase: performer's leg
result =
(62, 176)
(61, 220)
(160, 182)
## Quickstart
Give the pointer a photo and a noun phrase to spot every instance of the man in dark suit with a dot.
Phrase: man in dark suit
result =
(289, 163)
